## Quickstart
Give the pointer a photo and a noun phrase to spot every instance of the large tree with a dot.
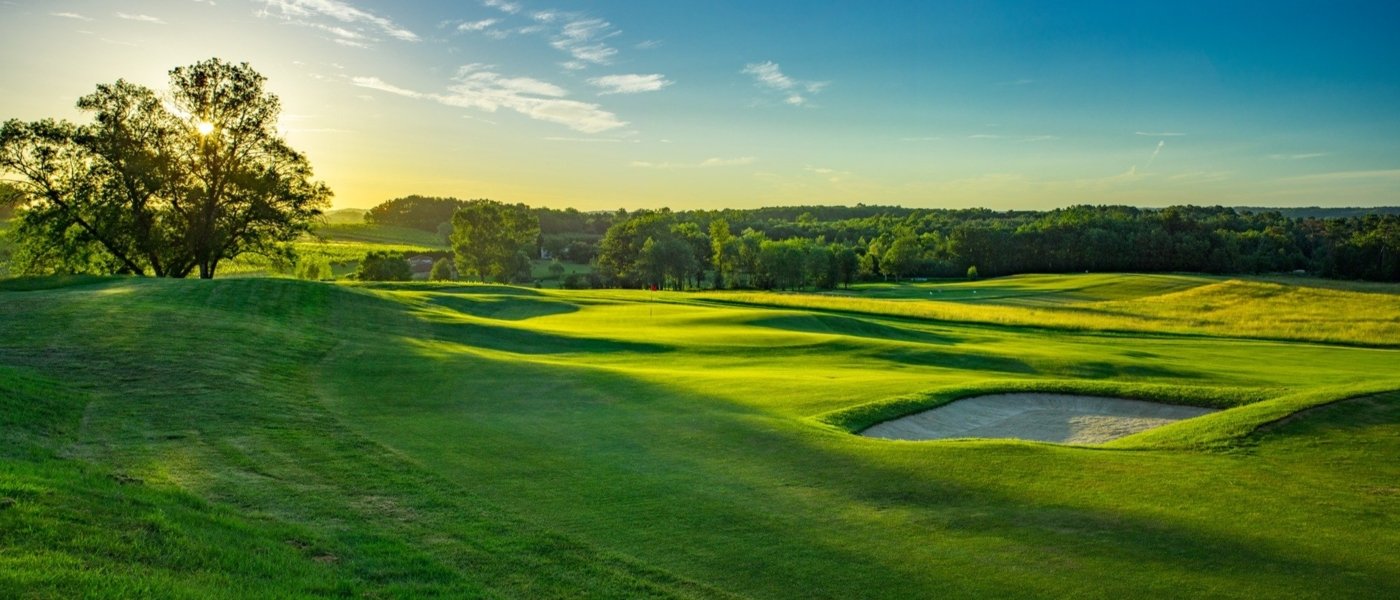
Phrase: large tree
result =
(161, 187)
(487, 236)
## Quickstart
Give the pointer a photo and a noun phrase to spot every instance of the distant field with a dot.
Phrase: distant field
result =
(343, 245)
(268, 437)
(379, 234)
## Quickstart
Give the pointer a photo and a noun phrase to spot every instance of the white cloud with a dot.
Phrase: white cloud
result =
(582, 39)
(1161, 134)
(375, 83)
(704, 164)
(476, 87)
(829, 174)
(141, 18)
(477, 25)
(502, 5)
(767, 74)
(1160, 144)
(69, 15)
(300, 11)
(630, 84)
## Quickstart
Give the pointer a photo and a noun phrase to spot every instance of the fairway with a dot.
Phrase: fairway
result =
(244, 437)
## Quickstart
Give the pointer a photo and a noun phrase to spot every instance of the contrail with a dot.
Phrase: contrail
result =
(1160, 144)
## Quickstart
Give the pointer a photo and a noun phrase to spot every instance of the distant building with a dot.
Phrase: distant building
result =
(421, 265)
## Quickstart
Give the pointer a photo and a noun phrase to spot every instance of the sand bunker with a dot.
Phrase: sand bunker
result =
(1041, 417)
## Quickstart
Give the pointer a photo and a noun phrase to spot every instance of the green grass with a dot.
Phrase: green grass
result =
(1248, 308)
(252, 437)
(379, 234)
(343, 245)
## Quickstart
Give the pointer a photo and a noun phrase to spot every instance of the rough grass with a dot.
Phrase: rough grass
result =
(277, 438)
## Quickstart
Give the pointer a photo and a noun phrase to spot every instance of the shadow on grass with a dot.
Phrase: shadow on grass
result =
(449, 288)
(516, 308)
(53, 282)
(851, 326)
(525, 341)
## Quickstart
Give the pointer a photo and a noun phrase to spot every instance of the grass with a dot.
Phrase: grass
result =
(251, 437)
(1262, 309)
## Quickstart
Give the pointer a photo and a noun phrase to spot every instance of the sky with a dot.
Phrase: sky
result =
(602, 105)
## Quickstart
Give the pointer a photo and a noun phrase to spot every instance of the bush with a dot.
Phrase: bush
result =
(442, 271)
(972, 272)
(384, 266)
(314, 268)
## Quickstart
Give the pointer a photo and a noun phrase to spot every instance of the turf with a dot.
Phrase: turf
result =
(251, 437)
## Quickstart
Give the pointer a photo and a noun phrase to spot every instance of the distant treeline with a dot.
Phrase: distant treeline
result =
(826, 246)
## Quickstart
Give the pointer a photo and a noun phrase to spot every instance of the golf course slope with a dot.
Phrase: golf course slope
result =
(1040, 417)
(241, 438)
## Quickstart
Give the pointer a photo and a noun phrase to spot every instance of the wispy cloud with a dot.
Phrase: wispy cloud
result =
(582, 40)
(70, 15)
(1297, 156)
(1159, 134)
(629, 84)
(477, 25)
(796, 93)
(1160, 144)
(1345, 176)
(829, 174)
(502, 5)
(477, 87)
(704, 164)
(302, 11)
(375, 83)
(141, 18)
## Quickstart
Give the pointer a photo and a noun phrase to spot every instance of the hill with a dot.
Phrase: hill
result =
(259, 437)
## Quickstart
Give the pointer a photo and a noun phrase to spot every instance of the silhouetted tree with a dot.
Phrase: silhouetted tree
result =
(162, 186)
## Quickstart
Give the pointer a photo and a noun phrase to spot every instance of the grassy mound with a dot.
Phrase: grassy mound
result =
(251, 437)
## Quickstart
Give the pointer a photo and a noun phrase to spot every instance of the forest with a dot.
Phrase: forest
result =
(829, 246)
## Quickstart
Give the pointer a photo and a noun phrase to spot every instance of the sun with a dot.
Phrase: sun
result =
(204, 127)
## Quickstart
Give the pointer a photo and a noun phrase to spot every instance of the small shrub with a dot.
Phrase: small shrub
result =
(442, 271)
(384, 266)
(314, 268)
(972, 272)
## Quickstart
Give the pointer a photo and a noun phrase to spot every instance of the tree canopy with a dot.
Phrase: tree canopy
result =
(159, 185)
(488, 238)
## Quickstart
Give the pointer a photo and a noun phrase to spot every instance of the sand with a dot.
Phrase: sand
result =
(1042, 417)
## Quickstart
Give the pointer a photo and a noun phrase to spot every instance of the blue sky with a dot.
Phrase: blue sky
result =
(713, 104)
